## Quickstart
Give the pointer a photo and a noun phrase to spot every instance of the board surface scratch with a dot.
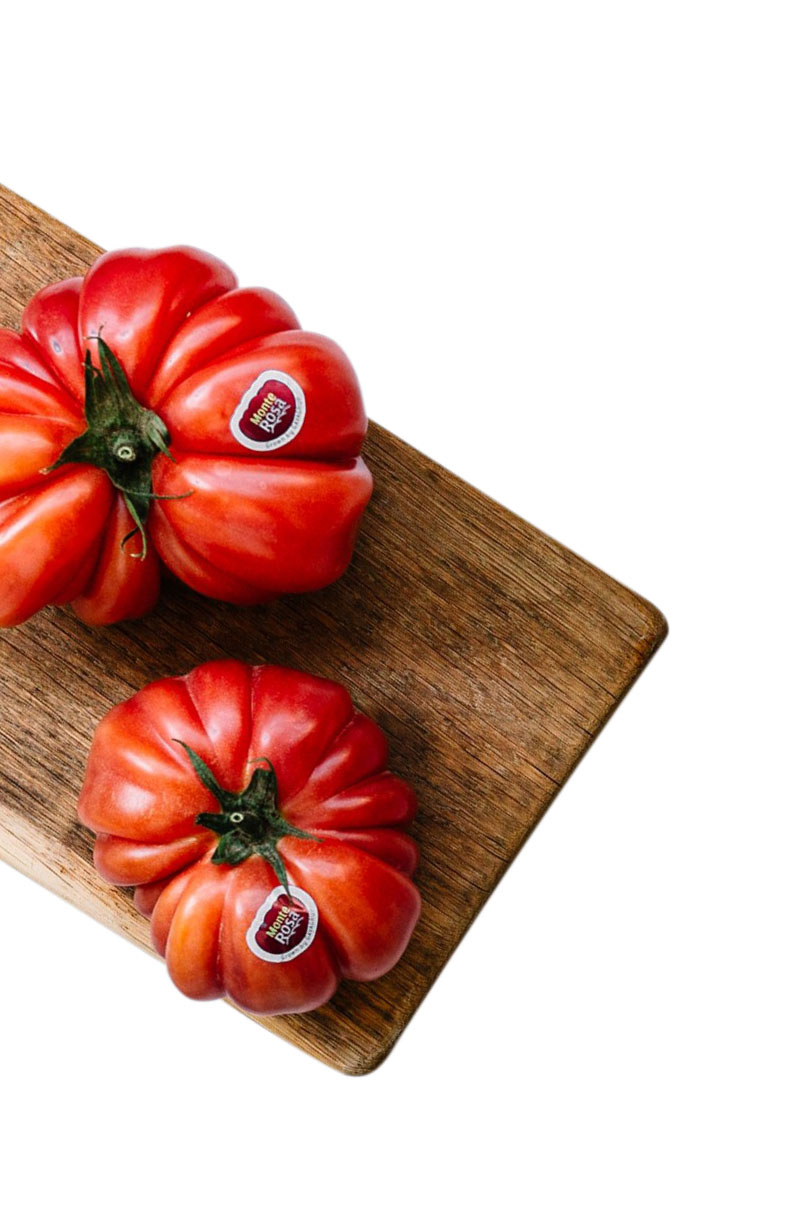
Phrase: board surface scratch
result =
(490, 655)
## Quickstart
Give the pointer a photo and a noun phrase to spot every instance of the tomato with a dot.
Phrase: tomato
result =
(253, 811)
(153, 413)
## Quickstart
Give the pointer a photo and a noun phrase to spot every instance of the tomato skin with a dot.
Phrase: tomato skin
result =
(191, 343)
(50, 322)
(136, 299)
(25, 392)
(370, 935)
(49, 540)
(351, 854)
(221, 326)
(199, 929)
(125, 581)
(29, 442)
(314, 510)
(18, 352)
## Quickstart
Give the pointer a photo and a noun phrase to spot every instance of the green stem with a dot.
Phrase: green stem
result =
(121, 437)
(249, 822)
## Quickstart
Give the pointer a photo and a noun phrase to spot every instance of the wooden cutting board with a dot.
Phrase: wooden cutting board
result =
(490, 655)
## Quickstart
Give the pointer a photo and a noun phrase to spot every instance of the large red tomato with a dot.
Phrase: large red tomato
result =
(153, 398)
(253, 811)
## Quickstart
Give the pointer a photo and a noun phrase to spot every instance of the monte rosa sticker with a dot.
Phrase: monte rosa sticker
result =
(270, 413)
(284, 925)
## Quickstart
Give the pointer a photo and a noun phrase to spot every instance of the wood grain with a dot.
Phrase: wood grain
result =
(491, 655)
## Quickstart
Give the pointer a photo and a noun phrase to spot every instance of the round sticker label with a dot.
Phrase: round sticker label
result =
(270, 413)
(284, 926)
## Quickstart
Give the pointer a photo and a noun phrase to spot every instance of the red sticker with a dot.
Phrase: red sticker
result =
(270, 413)
(284, 925)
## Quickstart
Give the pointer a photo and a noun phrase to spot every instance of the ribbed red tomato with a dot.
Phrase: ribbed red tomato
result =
(253, 811)
(165, 403)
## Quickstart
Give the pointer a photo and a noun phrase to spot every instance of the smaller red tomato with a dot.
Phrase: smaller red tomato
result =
(253, 810)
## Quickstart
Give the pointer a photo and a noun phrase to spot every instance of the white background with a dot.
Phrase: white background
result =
(583, 219)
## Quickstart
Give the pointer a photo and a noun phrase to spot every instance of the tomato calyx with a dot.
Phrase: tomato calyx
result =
(249, 822)
(122, 438)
